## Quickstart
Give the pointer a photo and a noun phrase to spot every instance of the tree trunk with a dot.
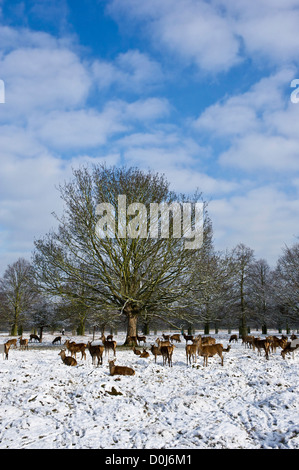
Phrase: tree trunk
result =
(14, 330)
(131, 323)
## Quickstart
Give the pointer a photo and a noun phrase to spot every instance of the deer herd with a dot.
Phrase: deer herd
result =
(196, 346)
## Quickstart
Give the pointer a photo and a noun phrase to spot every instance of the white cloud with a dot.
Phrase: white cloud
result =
(42, 79)
(192, 30)
(130, 71)
(217, 35)
(264, 218)
(259, 126)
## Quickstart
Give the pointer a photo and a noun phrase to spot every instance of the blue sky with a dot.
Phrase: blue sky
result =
(198, 90)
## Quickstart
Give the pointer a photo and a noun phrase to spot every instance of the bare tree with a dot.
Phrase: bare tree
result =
(261, 292)
(287, 282)
(132, 275)
(242, 259)
(18, 292)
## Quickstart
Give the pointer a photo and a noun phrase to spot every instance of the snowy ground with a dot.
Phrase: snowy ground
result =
(248, 403)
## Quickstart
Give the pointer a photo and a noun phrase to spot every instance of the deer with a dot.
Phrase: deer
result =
(109, 345)
(57, 340)
(210, 350)
(262, 344)
(290, 347)
(67, 360)
(176, 337)
(4, 348)
(191, 350)
(12, 342)
(144, 354)
(136, 351)
(162, 343)
(141, 338)
(23, 343)
(156, 351)
(75, 348)
(96, 351)
(167, 352)
(247, 340)
(34, 337)
(233, 338)
(120, 370)
(188, 337)
(205, 340)
(131, 340)
(277, 342)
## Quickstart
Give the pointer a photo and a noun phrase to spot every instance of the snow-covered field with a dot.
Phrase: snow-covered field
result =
(248, 403)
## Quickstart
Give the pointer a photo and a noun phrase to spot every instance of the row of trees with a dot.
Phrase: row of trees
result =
(77, 277)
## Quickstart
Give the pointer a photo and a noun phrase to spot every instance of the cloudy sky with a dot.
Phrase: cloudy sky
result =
(198, 90)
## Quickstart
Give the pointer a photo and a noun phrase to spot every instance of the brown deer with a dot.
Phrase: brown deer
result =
(96, 351)
(262, 344)
(167, 352)
(144, 353)
(67, 360)
(176, 337)
(210, 350)
(75, 348)
(34, 337)
(109, 345)
(233, 338)
(12, 342)
(120, 370)
(136, 351)
(188, 337)
(141, 338)
(57, 340)
(156, 351)
(23, 343)
(191, 350)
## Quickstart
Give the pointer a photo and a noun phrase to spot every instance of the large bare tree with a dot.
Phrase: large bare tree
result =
(107, 270)
(18, 293)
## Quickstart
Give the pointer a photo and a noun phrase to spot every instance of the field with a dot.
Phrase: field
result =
(249, 403)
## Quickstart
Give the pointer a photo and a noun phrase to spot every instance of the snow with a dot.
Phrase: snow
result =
(249, 403)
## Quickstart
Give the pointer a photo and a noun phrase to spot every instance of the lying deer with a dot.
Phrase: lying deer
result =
(67, 360)
(136, 351)
(144, 353)
(120, 370)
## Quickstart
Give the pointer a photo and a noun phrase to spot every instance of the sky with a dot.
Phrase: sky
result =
(198, 90)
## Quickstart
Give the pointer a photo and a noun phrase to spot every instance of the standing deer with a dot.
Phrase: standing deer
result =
(96, 351)
(109, 345)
